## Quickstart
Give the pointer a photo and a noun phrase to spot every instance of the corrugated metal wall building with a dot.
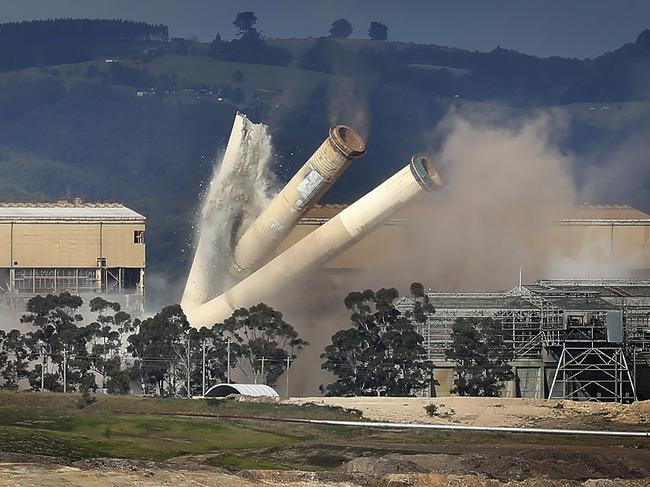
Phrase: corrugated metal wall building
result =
(85, 248)
(612, 233)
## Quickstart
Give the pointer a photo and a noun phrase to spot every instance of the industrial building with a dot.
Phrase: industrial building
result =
(613, 233)
(88, 249)
(571, 339)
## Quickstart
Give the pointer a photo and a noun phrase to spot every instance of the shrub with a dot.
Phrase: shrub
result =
(431, 409)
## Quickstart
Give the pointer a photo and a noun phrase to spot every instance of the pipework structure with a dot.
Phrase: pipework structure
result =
(571, 339)
(88, 249)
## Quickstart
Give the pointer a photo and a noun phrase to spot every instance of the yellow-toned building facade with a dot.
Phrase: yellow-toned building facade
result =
(83, 248)
(615, 233)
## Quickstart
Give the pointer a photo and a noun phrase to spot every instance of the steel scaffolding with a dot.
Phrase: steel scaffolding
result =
(572, 339)
(592, 372)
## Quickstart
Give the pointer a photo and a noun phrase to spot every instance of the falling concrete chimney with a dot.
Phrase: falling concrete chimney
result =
(304, 190)
(323, 244)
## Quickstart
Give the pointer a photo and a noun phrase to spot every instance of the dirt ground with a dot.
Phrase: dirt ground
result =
(446, 462)
(33, 471)
(486, 411)
(390, 471)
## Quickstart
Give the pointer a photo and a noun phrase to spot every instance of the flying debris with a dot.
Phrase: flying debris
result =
(251, 277)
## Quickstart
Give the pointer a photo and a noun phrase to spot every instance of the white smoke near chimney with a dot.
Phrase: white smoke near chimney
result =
(240, 188)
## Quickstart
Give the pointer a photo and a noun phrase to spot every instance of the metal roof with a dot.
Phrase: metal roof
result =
(580, 214)
(473, 301)
(580, 303)
(607, 212)
(83, 211)
(256, 390)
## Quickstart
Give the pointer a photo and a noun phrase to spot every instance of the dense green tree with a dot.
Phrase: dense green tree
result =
(215, 340)
(262, 342)
(341, 29)
(159, 350)
(245, 24)
(104, 339)
(61, 41)
(14, 358)
(482, 358)
(378, 31)
(119, 382)
(56, 336)
(381, 353)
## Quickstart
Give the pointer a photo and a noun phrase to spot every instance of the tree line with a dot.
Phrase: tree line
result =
(381, 353)
(60, 41)
(162, 354)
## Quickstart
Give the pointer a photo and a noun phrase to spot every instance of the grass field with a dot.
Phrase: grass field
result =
(235, 435)
(161, 429)
(142, 428)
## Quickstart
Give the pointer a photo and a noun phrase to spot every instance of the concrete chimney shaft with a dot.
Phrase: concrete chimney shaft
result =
(323, 244)
(313, 179)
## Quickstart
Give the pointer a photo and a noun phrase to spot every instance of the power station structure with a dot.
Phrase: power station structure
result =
(88, 249)
(256, 274)
(611, 233)
(580, 339)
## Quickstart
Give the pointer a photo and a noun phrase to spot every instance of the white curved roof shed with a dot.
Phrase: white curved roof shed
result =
(255, 390)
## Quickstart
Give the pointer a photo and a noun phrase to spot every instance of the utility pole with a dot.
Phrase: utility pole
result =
(228, 366)
(203, 393)
(288, 364)
(65, 371)
(42, 369)
(262, 377)
(189, 394)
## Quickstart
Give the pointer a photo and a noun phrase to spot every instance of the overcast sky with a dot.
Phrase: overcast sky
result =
(576, 28)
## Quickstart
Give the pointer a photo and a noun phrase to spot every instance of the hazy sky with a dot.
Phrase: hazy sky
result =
(579, 28)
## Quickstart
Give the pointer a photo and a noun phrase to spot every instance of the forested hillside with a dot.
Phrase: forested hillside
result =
(114, 110)
(47, 42)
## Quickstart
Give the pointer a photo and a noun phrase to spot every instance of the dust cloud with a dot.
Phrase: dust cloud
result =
(505, 182)
(241, 186)
(504, 185)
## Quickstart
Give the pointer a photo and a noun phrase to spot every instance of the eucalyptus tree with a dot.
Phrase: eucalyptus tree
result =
(481, 356)
(263, 344)
(57, 340)
(14, 358)
(382, 352)
(158, 350)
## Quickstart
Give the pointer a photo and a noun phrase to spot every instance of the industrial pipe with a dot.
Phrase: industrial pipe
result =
(313, 179)
(323, 244)
(462, 427)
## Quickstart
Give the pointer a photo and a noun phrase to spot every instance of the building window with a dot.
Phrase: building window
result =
(138, 236)
(101, 262)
